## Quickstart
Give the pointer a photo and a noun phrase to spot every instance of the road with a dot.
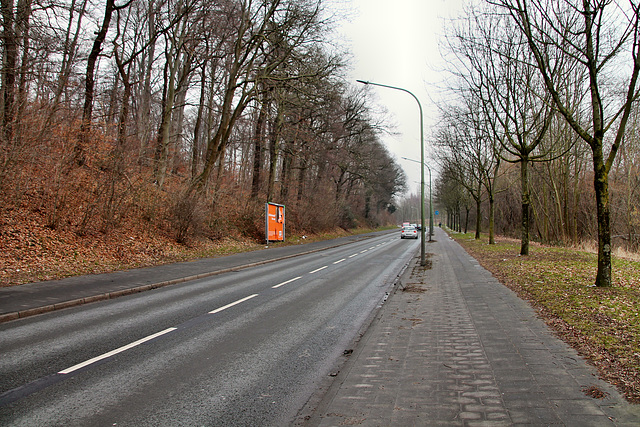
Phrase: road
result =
(243, 348)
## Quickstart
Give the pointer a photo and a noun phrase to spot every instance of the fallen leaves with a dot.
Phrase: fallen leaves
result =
(414, 289)
(595, 392)
(30, 251)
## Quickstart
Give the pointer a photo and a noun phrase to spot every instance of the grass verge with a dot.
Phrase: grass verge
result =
(602, 324)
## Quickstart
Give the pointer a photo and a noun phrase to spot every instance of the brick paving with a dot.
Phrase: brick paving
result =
(454, 347)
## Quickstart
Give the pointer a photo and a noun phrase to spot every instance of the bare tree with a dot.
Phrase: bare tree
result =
(595, 36)
(479, 143)
(96, 50)
(178, 60)
(9, 65)
(516, 98)
(266, 35)
(15, 34)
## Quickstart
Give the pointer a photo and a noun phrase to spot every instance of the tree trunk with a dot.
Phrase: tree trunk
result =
(492, 208)
(478, 217)
(216, 144)
(197, 129)
(526, 202)
(162, 141)
(8, 70)
(601, 185)
(177, 115)
(302, 168)
(124, 109)
(257, 149)
(285, 176)
(89, 84)
(273, 154)
(23, 14)
(144, 123)
(466, 220)
(478, 200)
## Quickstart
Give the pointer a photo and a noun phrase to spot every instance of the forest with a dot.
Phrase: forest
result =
(184, 116)
(540, 139)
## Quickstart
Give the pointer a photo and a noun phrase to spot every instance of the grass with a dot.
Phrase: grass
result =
(603, 324)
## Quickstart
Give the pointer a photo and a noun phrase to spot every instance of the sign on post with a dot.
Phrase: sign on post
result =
(274, 223)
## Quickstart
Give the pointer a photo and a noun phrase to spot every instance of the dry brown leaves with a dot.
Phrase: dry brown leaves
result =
(30, 252)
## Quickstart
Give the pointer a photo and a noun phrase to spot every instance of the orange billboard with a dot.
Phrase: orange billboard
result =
(274, 227)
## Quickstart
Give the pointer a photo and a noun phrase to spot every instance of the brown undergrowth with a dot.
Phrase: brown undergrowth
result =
(30, 251)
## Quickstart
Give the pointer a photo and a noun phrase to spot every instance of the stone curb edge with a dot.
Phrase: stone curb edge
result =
(311, 413)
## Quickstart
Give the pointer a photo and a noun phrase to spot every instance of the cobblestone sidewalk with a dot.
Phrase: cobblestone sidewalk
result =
(453, 346)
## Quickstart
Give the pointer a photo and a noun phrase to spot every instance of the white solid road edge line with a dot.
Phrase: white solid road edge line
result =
(218, 310)
(288, 281)
(114, 352)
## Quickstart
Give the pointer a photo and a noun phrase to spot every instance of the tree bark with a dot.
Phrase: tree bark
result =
(162, 140)
(89, 83)
(8, 69)
(23, 15)
(273, 153)
(492, 208)
(144, 123)
(601, 185)
(197, 129)
(478, 201)
(526, 202)
(258, 144)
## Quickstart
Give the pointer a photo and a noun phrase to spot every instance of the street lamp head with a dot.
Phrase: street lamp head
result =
(363, 82)
(411, 160)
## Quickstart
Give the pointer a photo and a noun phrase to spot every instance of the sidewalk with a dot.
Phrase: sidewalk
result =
(41, 297)
(456, 347)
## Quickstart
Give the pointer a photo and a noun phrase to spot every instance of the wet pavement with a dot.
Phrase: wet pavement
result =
(452, 346)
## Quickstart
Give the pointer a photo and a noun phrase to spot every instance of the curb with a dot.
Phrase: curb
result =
(310, 415)
(15, 315)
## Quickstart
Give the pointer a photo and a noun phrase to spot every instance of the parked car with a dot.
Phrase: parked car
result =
(408, 232)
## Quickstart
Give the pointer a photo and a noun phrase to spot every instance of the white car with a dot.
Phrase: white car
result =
(409, 232)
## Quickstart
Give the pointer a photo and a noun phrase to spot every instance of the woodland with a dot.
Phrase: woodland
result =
(129, 126)
(540, 139)
(181, 118)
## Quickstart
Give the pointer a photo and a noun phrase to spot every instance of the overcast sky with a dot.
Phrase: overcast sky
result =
(395, 42)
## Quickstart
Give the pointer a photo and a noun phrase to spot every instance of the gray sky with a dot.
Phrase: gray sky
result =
(395, 42)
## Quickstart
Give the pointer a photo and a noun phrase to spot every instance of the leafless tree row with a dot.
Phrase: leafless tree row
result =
(549, 86)
(186, 113)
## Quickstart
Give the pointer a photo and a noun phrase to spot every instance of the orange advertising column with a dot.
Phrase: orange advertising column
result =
(274, 222)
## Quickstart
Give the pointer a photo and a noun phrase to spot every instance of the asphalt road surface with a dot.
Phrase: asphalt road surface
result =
(245, 348)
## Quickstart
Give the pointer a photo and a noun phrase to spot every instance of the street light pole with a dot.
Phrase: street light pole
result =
(422, 243)
(430, 207)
